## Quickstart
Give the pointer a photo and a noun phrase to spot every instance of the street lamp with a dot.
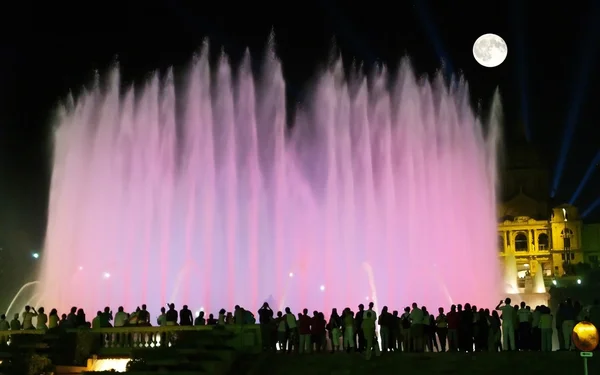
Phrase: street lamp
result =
(35, 255)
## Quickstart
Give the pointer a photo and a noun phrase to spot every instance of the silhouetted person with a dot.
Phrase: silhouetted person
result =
(292, 324)
(171, 315)
(53, 319)
(417, 328)
(432, 344)
(97, 321)
(105, 318)
(221, 320)
(481, 343)
(185, 316)
(4, 326)
(15, 324)
(72, 317)
(144, 317)
(360, 343)
(494, 335)
(405, 328)
(319, 332)
(282, 331)
(524, 316)
(465, 329)
(161, 319)
(348, 319)
(42, 320)
(200, 321)
(508, 319)
(304, 323)
(395, 340)
(80, 321)
(453, 321)
(569, 316)
(369, 333)
(536, 333)
(441, 323)
(238, 315)
(120, 317)
(385, 326)
(546, 329)
(64, 322)
(333, 326)
(211, 321)
(28, 315)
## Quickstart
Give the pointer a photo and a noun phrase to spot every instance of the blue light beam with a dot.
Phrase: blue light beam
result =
(423, 12)
(591, 208)
(589, 54)
(586, 177)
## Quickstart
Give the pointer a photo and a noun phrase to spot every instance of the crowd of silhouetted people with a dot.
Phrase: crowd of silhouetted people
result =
(462, 328)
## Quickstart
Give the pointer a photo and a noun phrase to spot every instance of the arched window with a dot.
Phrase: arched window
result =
(521, 242)
(567, 234)
(500, 243)
(543, 242)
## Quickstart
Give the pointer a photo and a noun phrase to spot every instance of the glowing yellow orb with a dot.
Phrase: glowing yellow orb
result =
(585, 336)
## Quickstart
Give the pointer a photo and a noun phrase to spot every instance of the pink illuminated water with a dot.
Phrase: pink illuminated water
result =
(383, 190)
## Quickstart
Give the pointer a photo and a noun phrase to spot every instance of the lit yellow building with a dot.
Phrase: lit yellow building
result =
(533, 233)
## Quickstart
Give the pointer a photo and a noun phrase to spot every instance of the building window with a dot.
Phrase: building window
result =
(572, 256)
(500, 243)
(566, 234)
(547, 269)
(521, 242)
(543, 242)
(593, 259)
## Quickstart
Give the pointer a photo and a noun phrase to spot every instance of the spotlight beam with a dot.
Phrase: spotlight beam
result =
(591, 208)
(424, 15)
(590, 47)
(586, 177)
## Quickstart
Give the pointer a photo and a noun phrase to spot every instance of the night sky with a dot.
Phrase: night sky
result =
(549, 82)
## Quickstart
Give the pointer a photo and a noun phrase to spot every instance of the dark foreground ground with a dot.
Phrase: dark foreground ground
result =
(526, 363)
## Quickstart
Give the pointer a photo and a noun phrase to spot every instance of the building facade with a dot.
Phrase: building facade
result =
(539, 236)
(542, 245)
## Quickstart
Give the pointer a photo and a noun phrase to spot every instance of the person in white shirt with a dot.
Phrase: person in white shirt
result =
(373, 313)
(373, 317)
(508, 329)
(221, 319)
(53, 319)
(28, 315)
(97, 321)
(417, 328)
(120, 317)
(290, 319)
(161, 320)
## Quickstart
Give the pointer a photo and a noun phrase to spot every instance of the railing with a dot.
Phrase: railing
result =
(241, 337)
(6, 337)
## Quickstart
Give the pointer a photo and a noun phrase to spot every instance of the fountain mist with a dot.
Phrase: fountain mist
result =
(221, 205)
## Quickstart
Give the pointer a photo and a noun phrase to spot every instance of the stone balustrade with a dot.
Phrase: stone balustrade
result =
(121, 340)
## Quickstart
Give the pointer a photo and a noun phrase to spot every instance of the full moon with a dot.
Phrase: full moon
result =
(490, 50)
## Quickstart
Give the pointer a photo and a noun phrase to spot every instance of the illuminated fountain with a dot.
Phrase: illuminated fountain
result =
(384, 189)
(510, 275)
(539, 286)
